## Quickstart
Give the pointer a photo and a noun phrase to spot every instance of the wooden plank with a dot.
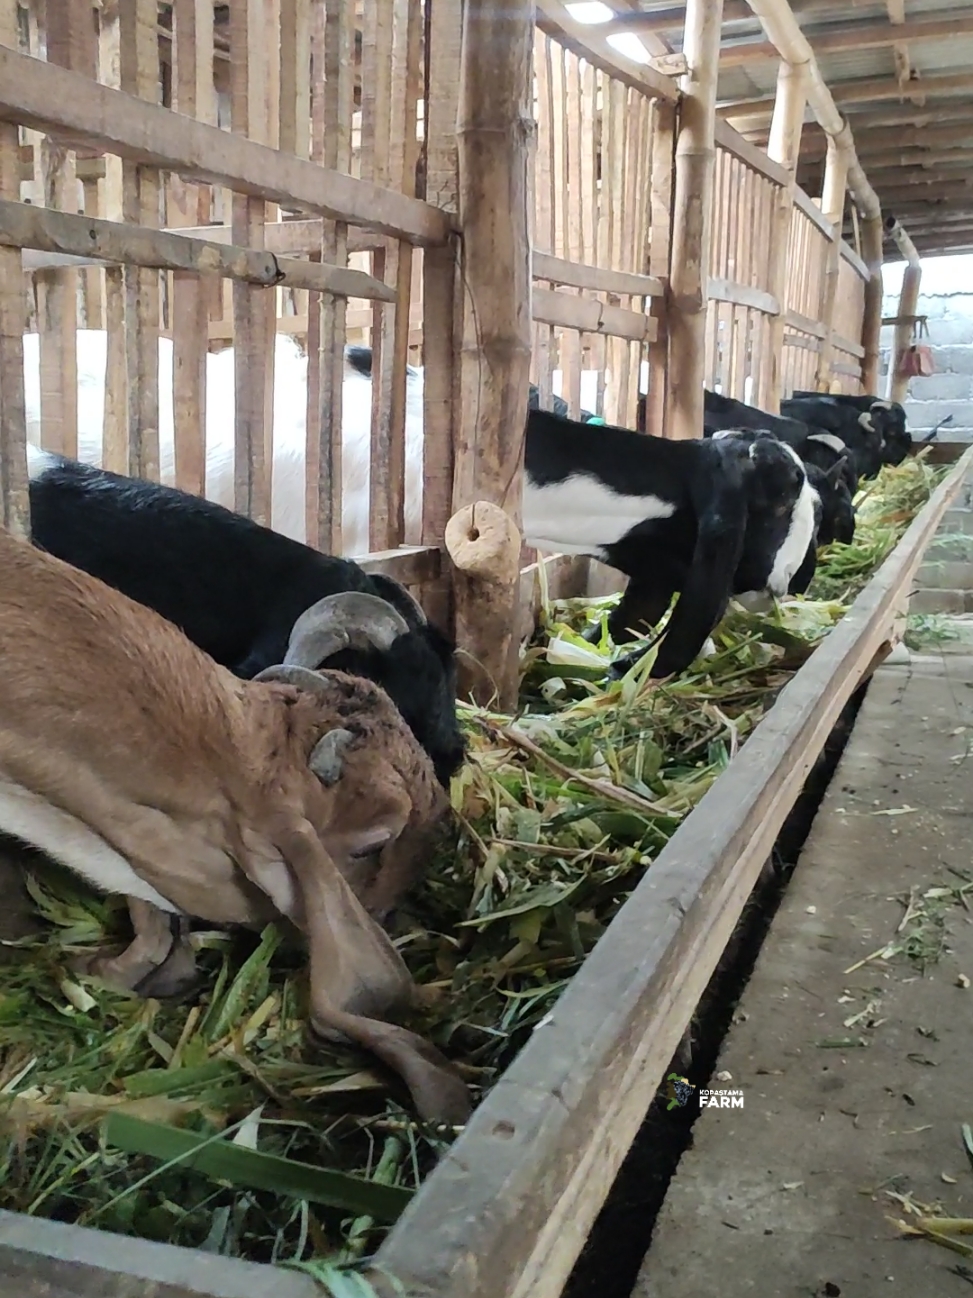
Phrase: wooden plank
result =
(50, 98)
(853, 259)
(551, 307)
(412, 565)
(846, 345)
(805, 324)
(807, 205)
(50, 1259)
(743, 295)
(600, 279)
(583, 40)
(731, 140)
(507, 1211)
(24, 226)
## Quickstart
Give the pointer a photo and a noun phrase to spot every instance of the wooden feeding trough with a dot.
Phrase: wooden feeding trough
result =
(508, 1210)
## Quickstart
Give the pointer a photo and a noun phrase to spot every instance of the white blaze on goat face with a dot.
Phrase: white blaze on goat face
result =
(830, 440)
(791, 554)
(583, 516)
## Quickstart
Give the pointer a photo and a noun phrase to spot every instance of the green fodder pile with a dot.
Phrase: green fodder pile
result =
(216, 1124)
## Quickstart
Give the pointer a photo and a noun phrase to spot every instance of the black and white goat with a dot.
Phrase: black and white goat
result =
(872, 430)
(833, 475)
(236, 589)
(706, 518)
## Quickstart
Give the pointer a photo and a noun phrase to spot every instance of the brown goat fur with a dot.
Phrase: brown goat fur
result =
(130, 756)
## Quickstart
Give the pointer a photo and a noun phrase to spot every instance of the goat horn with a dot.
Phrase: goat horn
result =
(302, 677)
(327, 758)
(396, 591)
(350, 618)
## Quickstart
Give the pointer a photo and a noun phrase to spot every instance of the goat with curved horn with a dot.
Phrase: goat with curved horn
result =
(350, 619)
(326, 757)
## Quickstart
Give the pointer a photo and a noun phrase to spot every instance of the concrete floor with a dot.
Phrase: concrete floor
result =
(788, 1198)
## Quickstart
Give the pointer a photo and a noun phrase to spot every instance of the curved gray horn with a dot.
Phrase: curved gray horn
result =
(302, 677)
(327, 758)
(398, 591)
(349, 619)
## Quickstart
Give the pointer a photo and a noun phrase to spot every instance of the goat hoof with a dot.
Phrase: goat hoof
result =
(106, 969)
(177, 976)
(592, 634)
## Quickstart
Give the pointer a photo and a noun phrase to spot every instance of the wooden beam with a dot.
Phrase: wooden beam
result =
(589, 316)
(859, 36)
(22, 225)
(509, 1207)
(50, 98)
(872, 90)
(692, 220)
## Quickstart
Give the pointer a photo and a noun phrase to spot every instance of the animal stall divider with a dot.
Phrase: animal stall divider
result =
(508, 1210)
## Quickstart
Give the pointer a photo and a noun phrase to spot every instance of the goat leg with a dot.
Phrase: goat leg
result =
(150, 950)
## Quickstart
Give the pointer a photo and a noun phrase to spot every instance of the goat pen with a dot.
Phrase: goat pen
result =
(502, 194)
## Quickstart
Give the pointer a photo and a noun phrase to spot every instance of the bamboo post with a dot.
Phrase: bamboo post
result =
(332, 105)
(833, 194)
(784, 148)
(14, 503)
(439, 185)
(189, 205)
(692, 219)
(139, 75)
(872, 255)
(898, 382)
(494, 140)
(254, 71)
(69, 34)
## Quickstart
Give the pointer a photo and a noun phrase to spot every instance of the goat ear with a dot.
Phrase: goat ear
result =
(833, 474)
(356, 973)
(327, 756)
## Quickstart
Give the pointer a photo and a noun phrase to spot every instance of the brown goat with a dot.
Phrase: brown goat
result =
(132, 758)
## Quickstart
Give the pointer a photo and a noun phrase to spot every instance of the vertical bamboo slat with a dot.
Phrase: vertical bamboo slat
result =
(331, 145)
(784, 146)
(663, 145)
(14, 504)
(692, 215)
(138, 66)
(194, 95)
(254, 54)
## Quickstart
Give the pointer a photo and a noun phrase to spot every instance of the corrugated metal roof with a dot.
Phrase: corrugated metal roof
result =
(933, 201)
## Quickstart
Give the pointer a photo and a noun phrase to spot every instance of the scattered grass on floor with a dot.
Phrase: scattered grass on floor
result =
(559, 811)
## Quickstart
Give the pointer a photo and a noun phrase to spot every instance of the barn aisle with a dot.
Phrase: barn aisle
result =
(855, 1084)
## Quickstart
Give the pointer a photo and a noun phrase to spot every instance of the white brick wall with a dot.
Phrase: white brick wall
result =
(946, 297)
